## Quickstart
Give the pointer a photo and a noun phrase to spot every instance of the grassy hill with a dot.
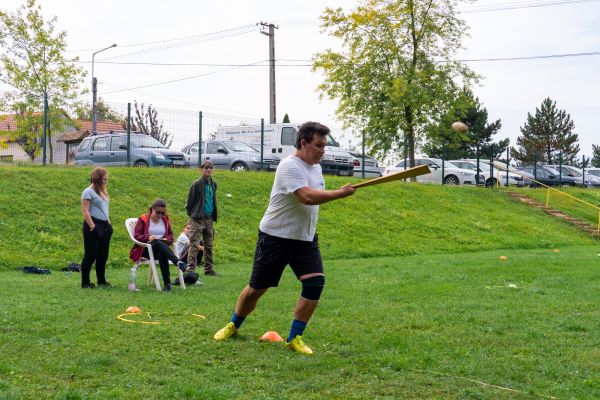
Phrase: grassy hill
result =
(40, 220)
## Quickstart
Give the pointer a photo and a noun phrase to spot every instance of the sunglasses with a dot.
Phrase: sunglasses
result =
(207, 167)
(160, 212)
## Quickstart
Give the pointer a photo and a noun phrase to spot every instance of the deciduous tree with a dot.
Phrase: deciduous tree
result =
(33, 63)
(547, 134)
(146, 121)
(395, 73)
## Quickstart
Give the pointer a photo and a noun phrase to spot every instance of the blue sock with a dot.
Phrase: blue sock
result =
(237, 320)
(296, 330)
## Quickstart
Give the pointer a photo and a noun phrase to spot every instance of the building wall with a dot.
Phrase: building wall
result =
(14, 152)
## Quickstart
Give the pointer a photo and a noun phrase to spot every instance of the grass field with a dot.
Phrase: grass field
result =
(568, 204)
(414, 327)
(41, 221)
(417, 303)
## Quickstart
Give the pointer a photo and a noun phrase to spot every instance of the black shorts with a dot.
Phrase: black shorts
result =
(274, 253)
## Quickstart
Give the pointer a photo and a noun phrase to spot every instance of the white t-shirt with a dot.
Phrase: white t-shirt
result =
(182, 241)
(286, 217)
(159, 230)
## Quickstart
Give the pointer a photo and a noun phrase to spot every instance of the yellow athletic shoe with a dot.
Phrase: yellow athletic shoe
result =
(226, 332)
(297, 344)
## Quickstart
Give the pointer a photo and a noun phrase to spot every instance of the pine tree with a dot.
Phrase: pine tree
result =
(596, 156)
(286, 119)
(469, 110)
(546, 135)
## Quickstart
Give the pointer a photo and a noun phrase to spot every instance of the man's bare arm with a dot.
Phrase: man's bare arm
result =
(312, 197)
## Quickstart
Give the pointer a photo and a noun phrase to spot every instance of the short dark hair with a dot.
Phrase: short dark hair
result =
(206, 163)
(308, 129)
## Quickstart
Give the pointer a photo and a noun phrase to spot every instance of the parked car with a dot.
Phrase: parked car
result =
(548, 176)
(452, 174)
(592, 171)
(568, 170)
(229, 154)
(484, 169)
(371, 166)
(111, 149)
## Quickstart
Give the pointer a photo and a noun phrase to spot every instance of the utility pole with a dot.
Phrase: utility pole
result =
(271, 35)
(95, 87)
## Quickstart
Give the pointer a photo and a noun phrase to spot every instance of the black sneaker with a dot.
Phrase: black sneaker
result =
(105, 285)
(182, 266)
(88, 286)
(167, 288)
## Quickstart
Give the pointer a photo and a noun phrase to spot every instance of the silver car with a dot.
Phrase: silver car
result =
(574, 172)
(484, 169)
(229, 154)
(372, 169)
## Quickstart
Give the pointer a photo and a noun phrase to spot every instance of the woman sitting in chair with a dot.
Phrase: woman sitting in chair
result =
(154, 228)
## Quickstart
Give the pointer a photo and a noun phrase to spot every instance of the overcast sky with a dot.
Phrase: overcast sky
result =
(509, 90)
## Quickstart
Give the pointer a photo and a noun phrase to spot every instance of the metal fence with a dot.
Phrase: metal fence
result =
(24, 140)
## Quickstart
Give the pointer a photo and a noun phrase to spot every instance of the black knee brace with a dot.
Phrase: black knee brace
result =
(312, 287)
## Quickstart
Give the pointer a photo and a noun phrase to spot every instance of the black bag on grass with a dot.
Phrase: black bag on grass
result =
(32, 269)
(189, 278)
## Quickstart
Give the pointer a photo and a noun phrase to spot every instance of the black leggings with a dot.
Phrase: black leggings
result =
(162, 253)
(96, 244)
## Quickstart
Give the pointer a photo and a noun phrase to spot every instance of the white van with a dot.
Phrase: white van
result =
(280, 139)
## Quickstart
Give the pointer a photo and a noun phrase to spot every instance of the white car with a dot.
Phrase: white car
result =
(452, 174)
(484, 169)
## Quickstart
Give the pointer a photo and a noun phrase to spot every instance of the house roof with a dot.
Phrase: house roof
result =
(8, 122)
(85, 129)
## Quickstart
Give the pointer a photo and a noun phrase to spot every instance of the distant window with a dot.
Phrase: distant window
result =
(102, 144)
(288, 136)
(193, 149)
(116, 142)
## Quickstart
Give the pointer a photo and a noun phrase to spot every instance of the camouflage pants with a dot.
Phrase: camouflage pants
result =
(201, 230)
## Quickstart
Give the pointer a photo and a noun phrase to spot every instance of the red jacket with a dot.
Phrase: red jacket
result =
(141, 235)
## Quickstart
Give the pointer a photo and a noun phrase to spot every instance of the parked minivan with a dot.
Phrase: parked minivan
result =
(233, 155)
(111, 149)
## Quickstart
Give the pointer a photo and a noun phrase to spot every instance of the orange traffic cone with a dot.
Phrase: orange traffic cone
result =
(133, 310)
(271, 336)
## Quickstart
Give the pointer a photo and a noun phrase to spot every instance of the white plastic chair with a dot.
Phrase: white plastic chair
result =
(151, 262)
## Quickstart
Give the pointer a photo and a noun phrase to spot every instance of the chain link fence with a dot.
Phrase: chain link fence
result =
(23, 139)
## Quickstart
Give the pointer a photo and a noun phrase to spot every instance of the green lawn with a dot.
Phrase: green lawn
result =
(568, 204)
(413, 327)
(417, 303)
(40, 221)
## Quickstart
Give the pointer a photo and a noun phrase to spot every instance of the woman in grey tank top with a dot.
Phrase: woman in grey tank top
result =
(97, 229)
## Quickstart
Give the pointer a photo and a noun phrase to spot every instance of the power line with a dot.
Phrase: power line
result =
(184, 79)
(184, 102)
(264, 63)
(186, 42)
(520, 5)
(593, 53)
(195, 64)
